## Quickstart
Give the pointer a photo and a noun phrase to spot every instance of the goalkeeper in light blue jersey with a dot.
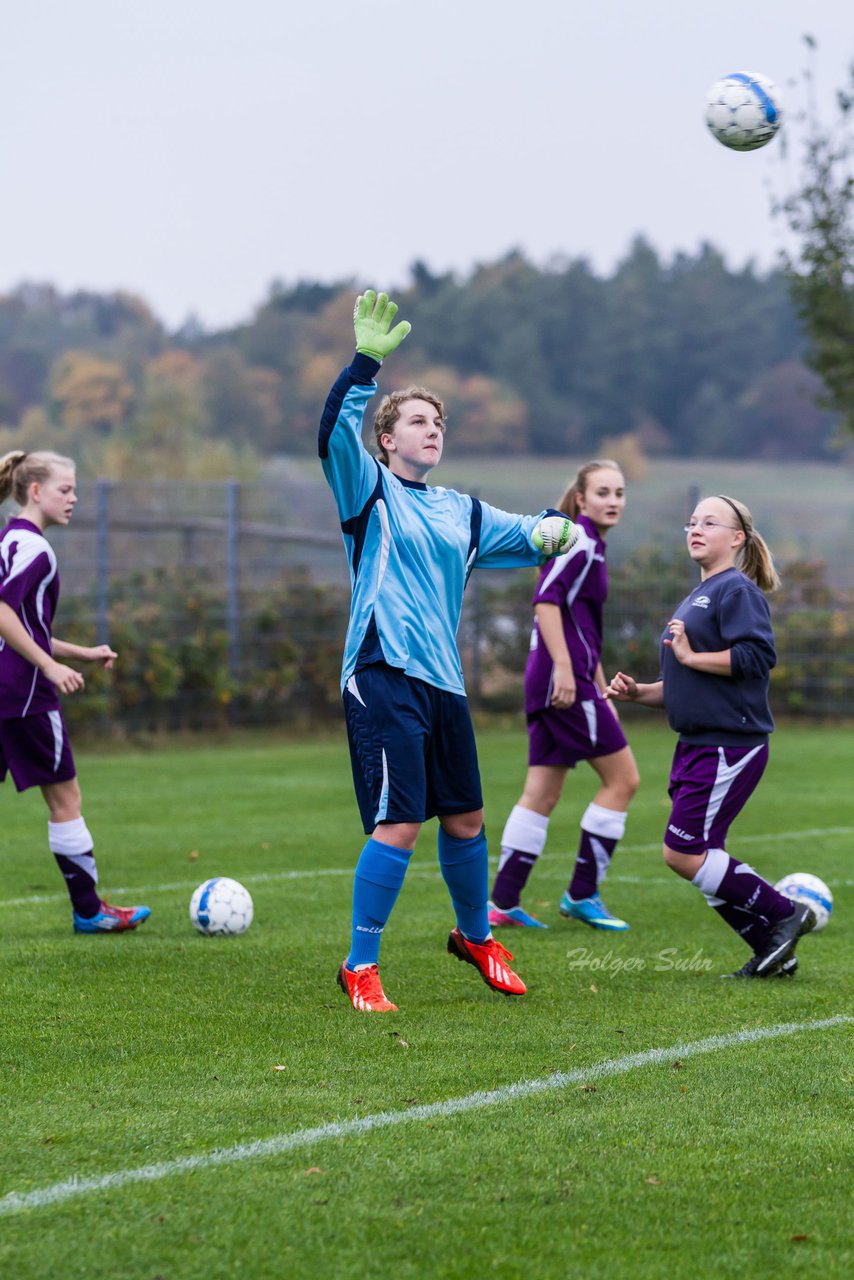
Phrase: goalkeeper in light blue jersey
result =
(411, 548)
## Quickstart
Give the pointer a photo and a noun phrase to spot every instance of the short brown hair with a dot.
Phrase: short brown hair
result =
(389, 412)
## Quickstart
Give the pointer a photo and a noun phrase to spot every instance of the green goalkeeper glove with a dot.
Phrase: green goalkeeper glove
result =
(372, 317)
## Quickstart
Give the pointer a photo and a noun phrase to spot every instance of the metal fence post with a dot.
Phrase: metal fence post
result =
(102, 561)
(232, 569)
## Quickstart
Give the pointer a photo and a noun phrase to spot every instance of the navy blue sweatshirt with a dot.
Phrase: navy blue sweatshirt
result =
(727, 611)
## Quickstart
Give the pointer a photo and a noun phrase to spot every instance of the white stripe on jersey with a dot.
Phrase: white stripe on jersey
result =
(585, 544)
(382, 513)
(28, 547)
(26, 623)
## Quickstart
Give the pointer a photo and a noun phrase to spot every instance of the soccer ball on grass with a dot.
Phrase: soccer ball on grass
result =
(221, 906)
(743, 110)
(810, 892)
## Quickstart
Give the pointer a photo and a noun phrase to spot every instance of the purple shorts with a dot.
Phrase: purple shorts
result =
(586, 730)
(35, 750)
(709, 787)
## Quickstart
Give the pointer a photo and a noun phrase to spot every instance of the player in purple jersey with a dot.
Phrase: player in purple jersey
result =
(34, 745)
(568, 717)
(717, 653)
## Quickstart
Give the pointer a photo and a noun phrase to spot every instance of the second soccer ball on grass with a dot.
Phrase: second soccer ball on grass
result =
(221, 906)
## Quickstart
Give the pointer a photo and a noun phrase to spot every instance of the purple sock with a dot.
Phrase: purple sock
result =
(512, 877)
(601, 831)
(742, 887)
(727, 882)
(591, 863)
(753, 929)
(81, 887)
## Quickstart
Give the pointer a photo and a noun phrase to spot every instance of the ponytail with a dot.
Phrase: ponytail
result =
(18, 470)
(754, 558)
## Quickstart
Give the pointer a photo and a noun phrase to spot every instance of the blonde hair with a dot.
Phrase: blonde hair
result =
(18, 470)
(389, 411)
(569, 502)
(753, 558)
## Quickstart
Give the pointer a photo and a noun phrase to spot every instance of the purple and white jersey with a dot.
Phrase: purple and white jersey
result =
(29, 585)
(578, 583)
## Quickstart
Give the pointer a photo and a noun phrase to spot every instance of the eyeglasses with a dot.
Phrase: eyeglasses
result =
(708, 524)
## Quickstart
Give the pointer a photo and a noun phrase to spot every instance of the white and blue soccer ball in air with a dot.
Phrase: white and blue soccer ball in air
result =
(810, 892)
(743, 110)
(221, 906)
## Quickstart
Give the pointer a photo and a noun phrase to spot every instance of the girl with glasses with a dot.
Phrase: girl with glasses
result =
(717, 652)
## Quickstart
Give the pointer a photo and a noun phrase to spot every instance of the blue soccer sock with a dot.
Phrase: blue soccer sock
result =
(380, 872)
(465, 870)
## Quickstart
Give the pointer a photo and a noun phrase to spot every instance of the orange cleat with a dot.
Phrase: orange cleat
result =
(490, 959)
(364, 989)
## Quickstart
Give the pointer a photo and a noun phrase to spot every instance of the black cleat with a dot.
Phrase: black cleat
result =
(783, 939)
(787, 969)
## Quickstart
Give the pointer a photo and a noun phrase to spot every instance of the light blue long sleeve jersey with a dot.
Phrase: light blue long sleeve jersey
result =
(411, 546)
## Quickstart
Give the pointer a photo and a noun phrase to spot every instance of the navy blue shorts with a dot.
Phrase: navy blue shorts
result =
(412, 748)
(709, 787)
(35, 750)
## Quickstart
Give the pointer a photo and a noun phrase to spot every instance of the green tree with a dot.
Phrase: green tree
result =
(821, 271)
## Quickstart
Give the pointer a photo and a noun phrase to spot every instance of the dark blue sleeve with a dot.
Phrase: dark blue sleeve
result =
(745, 622)
(360, 372)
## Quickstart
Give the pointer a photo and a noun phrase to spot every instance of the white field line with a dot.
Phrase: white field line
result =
(16, 1202)
(266, 877)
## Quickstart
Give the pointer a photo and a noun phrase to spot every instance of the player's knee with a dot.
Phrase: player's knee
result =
(672, 858)
(463, 826)
(542, 800)
(64, 801)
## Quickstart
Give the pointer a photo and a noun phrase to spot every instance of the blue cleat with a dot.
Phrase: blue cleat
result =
(591, 911)
(111, 919)
(498, 918)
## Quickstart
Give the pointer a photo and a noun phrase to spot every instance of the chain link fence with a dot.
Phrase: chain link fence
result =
(228, 604)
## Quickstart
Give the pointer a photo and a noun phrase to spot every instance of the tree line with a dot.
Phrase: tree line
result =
(685, 357)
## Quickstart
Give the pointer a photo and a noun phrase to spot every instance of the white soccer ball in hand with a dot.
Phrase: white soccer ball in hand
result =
(810, 892)
(743, 110)
(221, 906)
(554, 535)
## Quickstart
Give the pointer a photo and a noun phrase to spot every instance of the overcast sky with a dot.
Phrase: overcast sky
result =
(192, 152)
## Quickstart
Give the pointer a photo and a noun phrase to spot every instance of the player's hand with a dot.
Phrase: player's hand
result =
(563, 687)
(554, 535)
(66, 679)
(372, 317)
(622, 688)
(104, 654)
(678, 641)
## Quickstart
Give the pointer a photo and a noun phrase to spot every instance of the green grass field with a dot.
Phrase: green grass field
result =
(466, 1135)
